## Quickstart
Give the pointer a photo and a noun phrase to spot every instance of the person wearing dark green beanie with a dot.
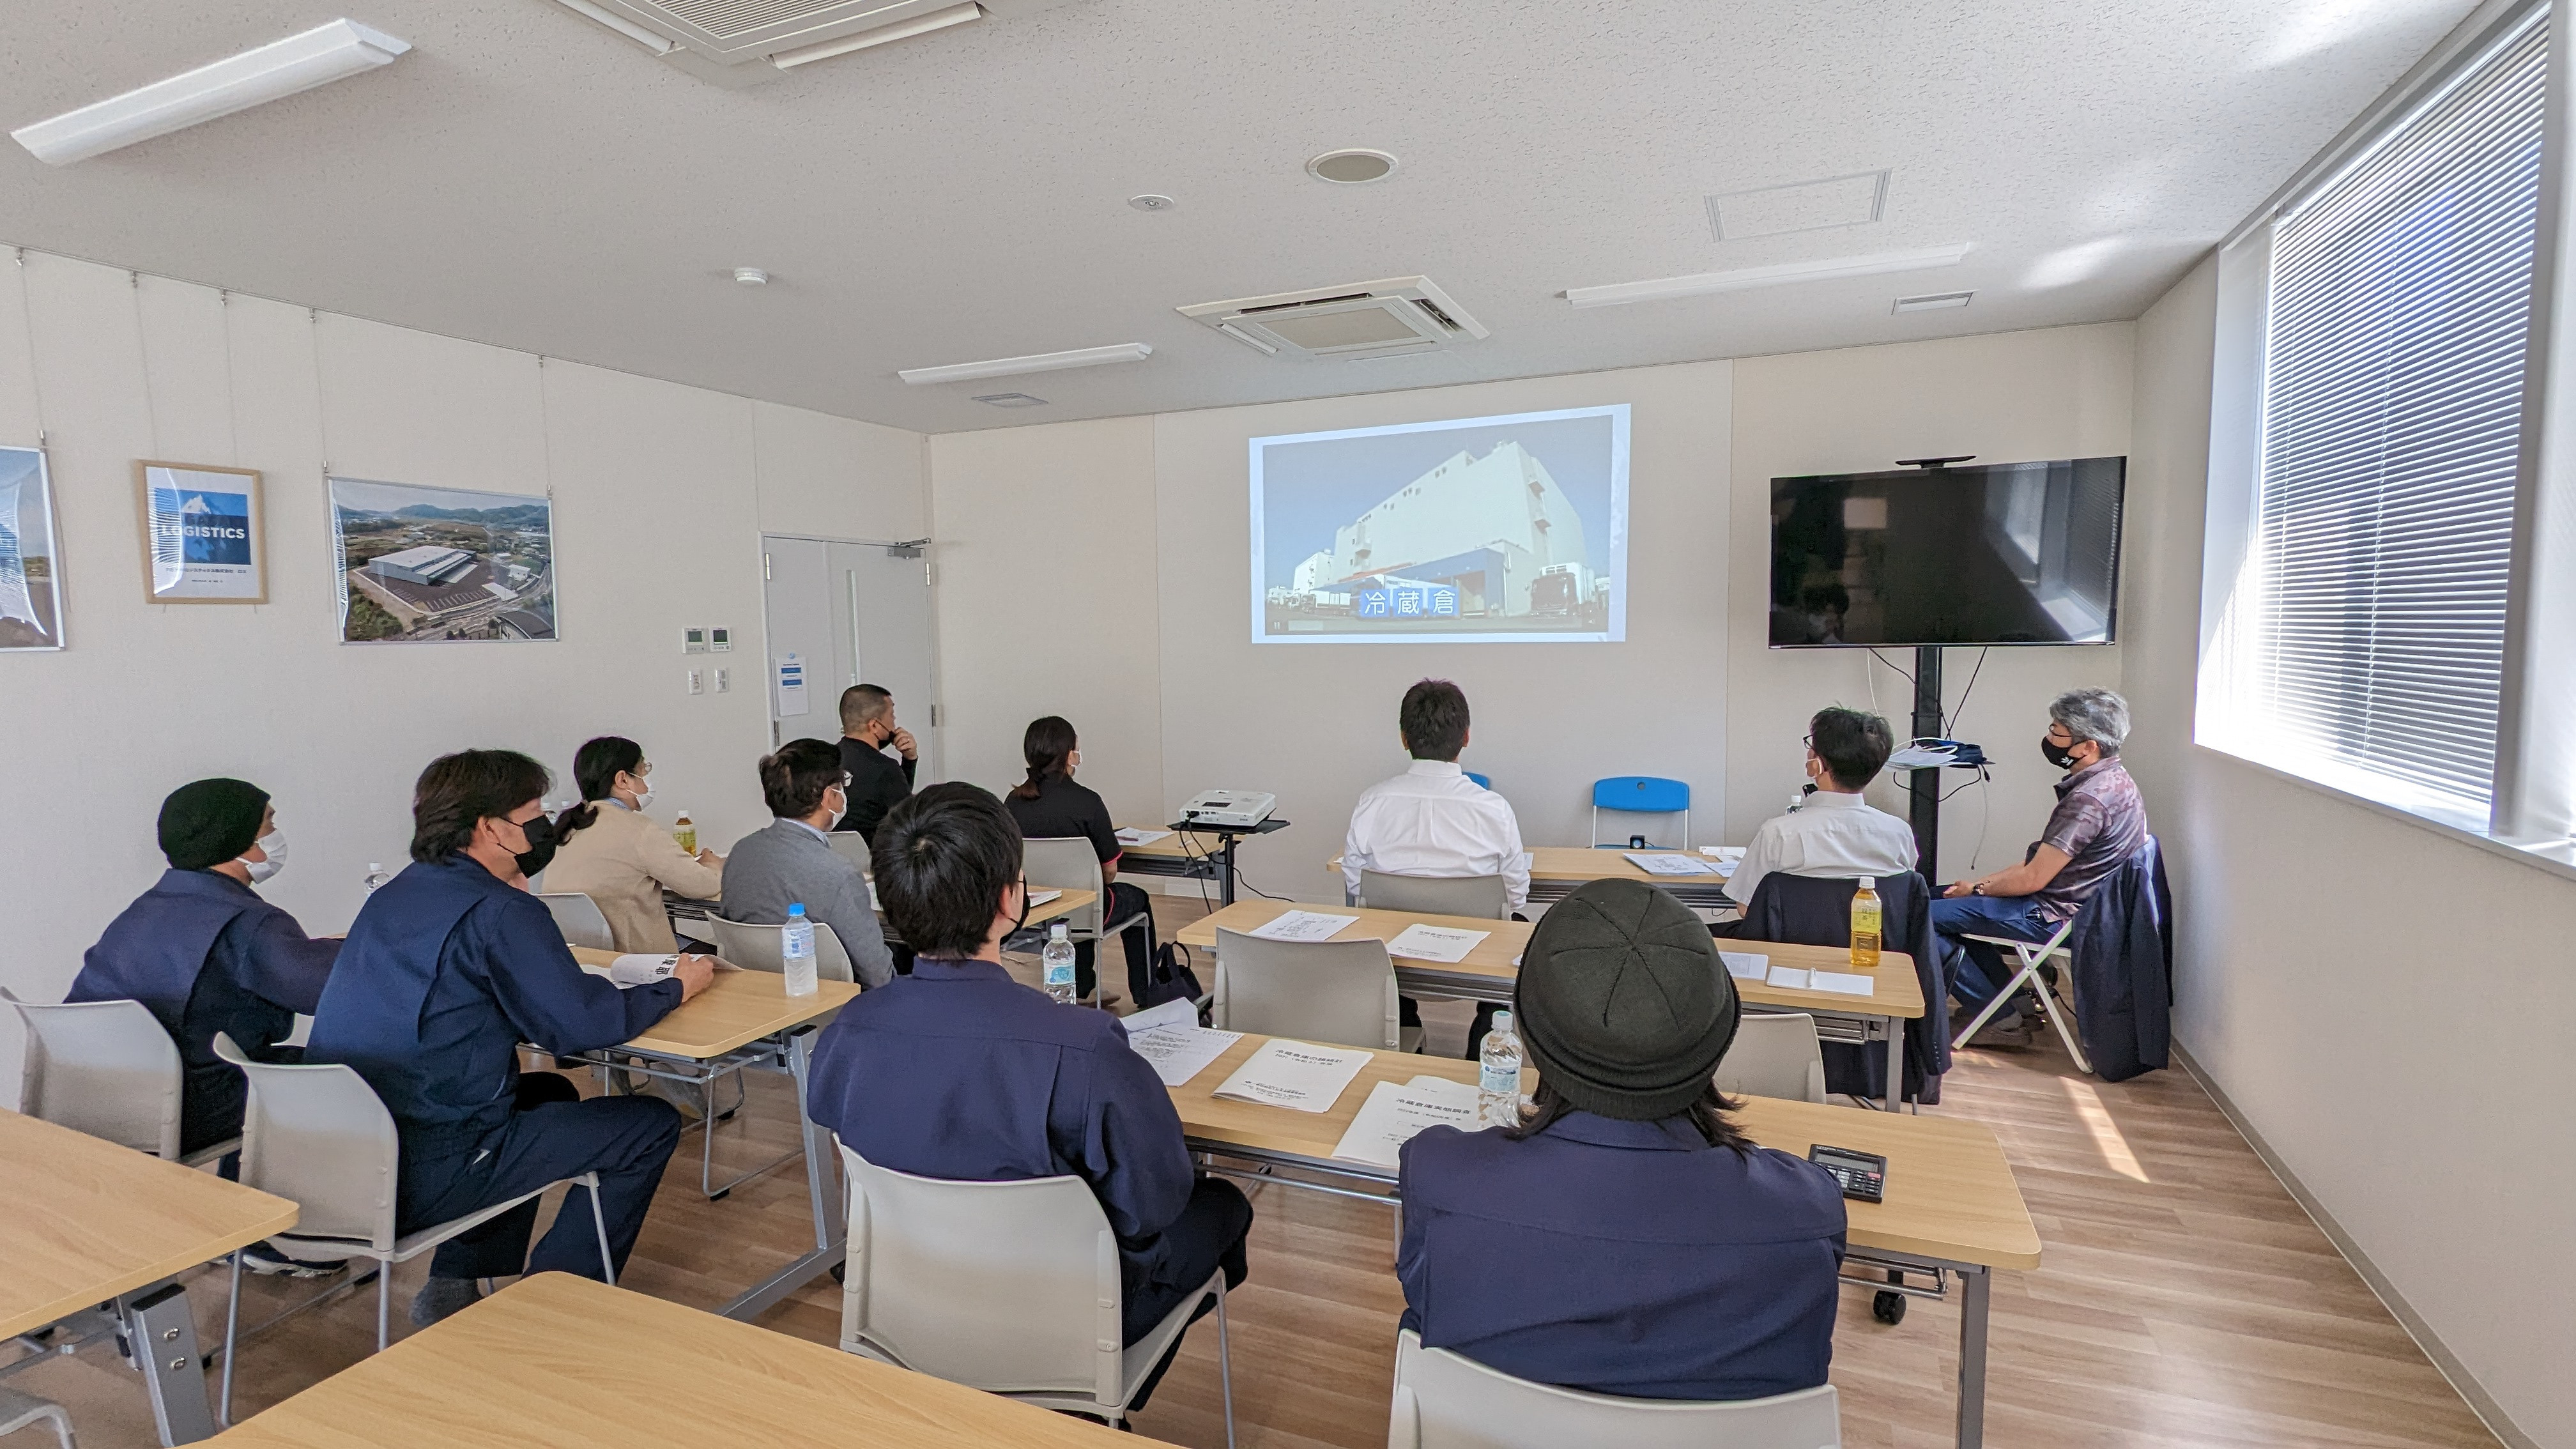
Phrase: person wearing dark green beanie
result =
(205, 954)
(1627, 1238)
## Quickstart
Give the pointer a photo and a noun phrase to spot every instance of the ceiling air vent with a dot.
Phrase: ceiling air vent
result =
(737, 43)
(1365, 319)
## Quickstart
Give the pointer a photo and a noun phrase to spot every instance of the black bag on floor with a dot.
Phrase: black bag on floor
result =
(1169, 978)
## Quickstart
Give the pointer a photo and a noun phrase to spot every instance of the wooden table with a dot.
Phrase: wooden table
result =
(746, 1020)
(1555, 870)
(556, 1359)
(1488, 973)
(1185, 853)
(687, 908)
(1952, 1205)
(85, 1222)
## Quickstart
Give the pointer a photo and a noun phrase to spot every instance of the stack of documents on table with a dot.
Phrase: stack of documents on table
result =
(1393, 1114)
(1728, 857)
(1130, 835)
(1302, 926)
(635, 970)
(1170, 1038)
(1746, 965)
(1294, 1074)
(1434, 943)
(1668, 862)
(1036, 898)
(1799, 978)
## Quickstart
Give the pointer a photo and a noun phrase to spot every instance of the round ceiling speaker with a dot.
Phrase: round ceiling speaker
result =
(1351, 167)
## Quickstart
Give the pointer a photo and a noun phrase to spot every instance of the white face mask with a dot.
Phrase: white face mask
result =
(644, 796)
(837, 814)
(272, 845)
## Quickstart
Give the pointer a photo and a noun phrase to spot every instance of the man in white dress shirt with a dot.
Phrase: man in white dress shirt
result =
(1835, 833)
(1434, 821)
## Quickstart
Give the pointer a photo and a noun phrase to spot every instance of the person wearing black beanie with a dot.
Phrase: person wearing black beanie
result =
(1627, 1238)
(205, 954)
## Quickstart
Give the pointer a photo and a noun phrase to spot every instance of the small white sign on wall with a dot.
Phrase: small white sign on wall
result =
(791, 685)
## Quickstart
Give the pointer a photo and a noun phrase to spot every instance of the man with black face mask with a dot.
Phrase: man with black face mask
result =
(2098, 824)
(451, 966)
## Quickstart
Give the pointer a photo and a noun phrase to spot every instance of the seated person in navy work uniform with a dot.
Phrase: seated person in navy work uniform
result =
(957, 1071)
(1627, 1238)
(204, 954)
(451, 965)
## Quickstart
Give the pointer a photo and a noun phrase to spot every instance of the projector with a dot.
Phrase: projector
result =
(1244, 808)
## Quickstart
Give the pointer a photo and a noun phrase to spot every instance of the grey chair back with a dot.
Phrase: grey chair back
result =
(317, 1135)
(852, 847)
(763, 948)
(580, 920)
(1480, 896)
(105, 1068)
(1067, 863)
(1775, 1054)
(1341, 992)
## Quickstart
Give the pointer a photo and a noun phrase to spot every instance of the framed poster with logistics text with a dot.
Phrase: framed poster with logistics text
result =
(204, 534)
(31, 584)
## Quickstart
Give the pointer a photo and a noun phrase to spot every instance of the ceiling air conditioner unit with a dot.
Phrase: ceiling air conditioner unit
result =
(734, 44)
(1367, 319)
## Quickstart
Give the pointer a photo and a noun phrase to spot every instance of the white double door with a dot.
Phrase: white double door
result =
(840, 614)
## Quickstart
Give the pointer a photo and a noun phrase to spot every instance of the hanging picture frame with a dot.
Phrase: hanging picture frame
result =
(31, 583)
(419, 564)
(204, 533)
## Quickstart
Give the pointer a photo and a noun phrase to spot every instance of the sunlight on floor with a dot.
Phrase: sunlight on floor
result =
(2106, 1133)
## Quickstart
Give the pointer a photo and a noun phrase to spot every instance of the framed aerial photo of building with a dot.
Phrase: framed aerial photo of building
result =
(204, 534)
(31, 585)
(423, 565)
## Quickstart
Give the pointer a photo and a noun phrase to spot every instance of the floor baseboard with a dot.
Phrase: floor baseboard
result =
(2472, 1392)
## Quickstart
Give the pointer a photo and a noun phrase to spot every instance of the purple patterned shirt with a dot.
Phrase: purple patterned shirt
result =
(2099, 822)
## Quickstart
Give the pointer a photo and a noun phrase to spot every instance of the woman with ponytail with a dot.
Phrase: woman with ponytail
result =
(618, 856)
(1048, 806)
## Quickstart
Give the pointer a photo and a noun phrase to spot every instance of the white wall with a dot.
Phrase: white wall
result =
(660, 494)
(1124, 542)
(2007, 397)
(2387, 1008)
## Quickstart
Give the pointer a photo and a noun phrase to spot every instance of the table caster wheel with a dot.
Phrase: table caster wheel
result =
(1887, 1307)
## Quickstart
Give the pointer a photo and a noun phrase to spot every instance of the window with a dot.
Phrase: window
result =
(2362, 643)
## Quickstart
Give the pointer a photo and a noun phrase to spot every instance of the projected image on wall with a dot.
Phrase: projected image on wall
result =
(1472, 530)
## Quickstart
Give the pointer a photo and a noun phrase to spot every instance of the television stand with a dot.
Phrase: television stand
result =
(1923, 810)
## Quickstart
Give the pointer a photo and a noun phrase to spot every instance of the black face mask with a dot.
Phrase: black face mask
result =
(541, 844)
(2062, 756)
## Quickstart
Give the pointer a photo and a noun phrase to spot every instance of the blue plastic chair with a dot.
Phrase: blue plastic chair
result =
(1482, 781)
(1640, 795)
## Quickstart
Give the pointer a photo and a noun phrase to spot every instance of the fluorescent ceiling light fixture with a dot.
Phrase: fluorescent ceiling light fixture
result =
(272, 72)
(1745, 279)
(1036, 362)
(902, 30)
(1933, 301)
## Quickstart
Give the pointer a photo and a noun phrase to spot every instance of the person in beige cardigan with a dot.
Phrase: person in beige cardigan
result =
(618, 856)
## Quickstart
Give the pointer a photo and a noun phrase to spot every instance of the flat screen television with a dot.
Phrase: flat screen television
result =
(1979, 554)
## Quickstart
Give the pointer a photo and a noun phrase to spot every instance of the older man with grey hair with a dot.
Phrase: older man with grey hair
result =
(2098, 824)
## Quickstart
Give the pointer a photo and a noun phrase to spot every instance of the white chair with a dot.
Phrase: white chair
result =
(1445, 1400)
(1008, 1287)
(1775, 1055)
(2031, 956)
(1481, 896)
(318, 1136)
(763, 948)
(22, 1410)
(1073, 863)
(1329, 991)
(580, 920)
(108, 1069)
(853, 847)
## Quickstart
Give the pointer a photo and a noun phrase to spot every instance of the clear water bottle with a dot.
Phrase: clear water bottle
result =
(377, 875)
(1058, 957)
(796, 944)
(1498, 1075)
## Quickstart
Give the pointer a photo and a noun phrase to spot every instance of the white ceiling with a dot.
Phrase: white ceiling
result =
(526, 178)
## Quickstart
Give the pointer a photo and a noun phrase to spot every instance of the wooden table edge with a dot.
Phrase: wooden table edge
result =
(168, 1267)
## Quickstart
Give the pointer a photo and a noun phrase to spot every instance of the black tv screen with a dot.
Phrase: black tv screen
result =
(1995, 553)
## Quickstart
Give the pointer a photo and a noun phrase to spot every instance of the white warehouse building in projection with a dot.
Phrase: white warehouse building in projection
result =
(1490, 527)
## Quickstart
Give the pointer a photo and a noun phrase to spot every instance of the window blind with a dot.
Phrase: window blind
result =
(2391, 432)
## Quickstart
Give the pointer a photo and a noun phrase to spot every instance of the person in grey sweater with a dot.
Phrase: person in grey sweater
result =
(791, 861)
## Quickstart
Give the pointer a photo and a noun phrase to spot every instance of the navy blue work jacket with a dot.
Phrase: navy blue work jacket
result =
(957, 1071)
(1626, 1258)
(204, 954)
(445, 973)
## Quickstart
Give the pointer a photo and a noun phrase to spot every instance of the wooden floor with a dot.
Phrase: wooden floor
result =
(2184, 1298)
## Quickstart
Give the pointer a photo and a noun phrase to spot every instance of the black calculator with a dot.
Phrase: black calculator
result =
(1862, 1174)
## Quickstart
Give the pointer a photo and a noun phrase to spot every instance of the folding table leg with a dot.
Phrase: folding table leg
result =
(163, 1333)
(1973, 1283)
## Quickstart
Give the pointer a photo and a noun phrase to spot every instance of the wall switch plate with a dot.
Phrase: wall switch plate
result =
(693, 641)
(697, 681)
(720, 640)
(724, 681)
